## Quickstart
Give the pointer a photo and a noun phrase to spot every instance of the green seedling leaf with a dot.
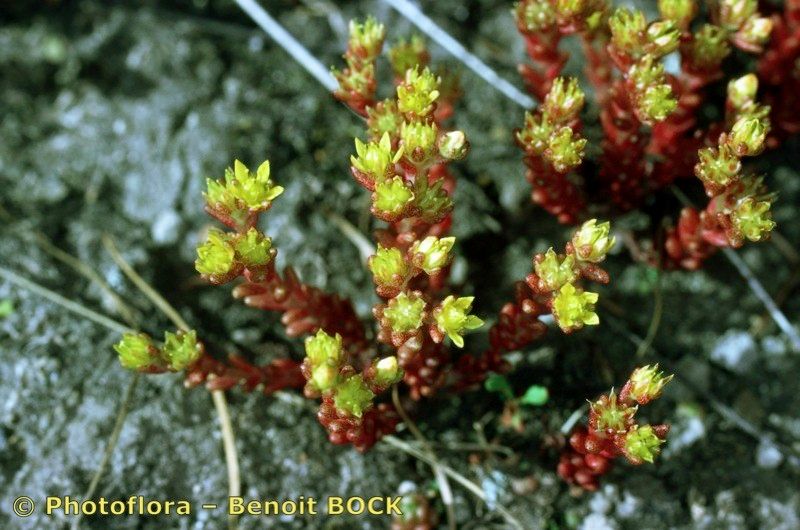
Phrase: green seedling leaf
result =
(498, 383)
(535, 396)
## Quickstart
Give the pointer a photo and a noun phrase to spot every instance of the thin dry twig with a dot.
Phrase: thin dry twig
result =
(74, 307)
(122, 414)
(220, 404)
(444, 486)
(455, 475)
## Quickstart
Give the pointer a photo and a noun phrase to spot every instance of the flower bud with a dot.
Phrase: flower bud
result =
(387, 372)
(181, 349)
(708, 48)
(642, 444)
(734, 13)
(592, 242)
(324, 377)
(408, 54)
(564, 101)
(679, 11)
(573, 308)
(453, 145)
(137, 352)
(405, 312)
(747, 136)
(366, 39)
(375, 159)
(215, 257)
(627, 29)
(609, 416)
(742, 91)
(388, 267)
(755, 32)
(646, 384)
(565, 150)
(432, 253)
(553, 271)
(353, 397)
(323, 349)
(254, 249)
(418, 140)
(663, 37)
(453, 318)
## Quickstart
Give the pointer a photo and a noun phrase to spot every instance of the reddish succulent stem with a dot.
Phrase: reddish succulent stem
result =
(280, 374)
(305, 309)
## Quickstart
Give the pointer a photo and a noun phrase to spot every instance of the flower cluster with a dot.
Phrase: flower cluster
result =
(348, 411)
(739, 205)
(613, 431)
(553, 147)
(553, 288)
(357, 83)
(403, 164)
(652, 136)
(543, 23)
(137, 351)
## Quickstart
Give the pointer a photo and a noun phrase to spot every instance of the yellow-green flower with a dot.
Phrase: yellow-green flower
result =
(708, 47)
(375, 158)
(419, 140)
(405, 312)
(417, 93)
(367, 37)
(593, 241)
(647, 383)
(717, 167)
(254, 249)
(453, 318)
(388, 266)
(565, 150)
(573, 308)
(642, 444)
(565, 100)
(554, 271)
(324, 349)
(215, 257)
(391, 197)
(243, 189)
(353, 397)
(408, 54)
(181, 349)
(752, 218)
(432, 253)
(610, 416)
(136, 351)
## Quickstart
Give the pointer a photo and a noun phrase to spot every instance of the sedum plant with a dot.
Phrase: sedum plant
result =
(654, 133)
(613, 431)
(420, 322)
